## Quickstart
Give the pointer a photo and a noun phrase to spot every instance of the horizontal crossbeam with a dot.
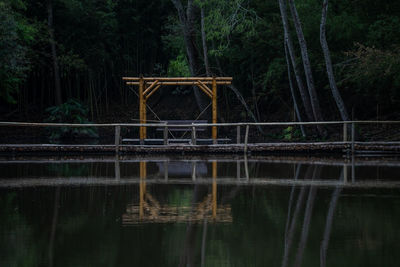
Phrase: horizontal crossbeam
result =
(185, 83)
(171, 79)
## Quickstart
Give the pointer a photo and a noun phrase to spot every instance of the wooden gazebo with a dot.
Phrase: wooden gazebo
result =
(149, 85)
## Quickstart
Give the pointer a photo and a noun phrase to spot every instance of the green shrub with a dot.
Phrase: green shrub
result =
(71, 111)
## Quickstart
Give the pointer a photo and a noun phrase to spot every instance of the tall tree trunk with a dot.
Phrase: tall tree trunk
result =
(57, 83)
(204, 41)
(306, 63)
(288, 40)
(187, 23)
(296, 107)
(324, 44)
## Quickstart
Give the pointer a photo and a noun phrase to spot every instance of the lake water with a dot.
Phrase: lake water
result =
(199, 211)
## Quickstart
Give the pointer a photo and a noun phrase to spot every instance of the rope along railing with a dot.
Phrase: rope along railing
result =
(117, 142)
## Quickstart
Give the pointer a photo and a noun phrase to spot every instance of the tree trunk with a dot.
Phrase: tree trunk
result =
(187, 23)
(306, 63)
(204, 41)
(296, 107)
(240, 98)
(324, 44)
(57, 82)
(288, 40)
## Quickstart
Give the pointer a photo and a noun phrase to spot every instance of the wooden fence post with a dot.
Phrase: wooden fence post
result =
(238, 134)
(165, 135)
(117, 138)
(246, 138)
(352, 137)
(193, 135)
(344, 132)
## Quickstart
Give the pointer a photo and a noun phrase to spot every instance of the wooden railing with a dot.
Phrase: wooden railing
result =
(117, 126)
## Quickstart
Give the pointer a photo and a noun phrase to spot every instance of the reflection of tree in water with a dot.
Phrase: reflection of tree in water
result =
(292, 218)
(18, 246)
(69, 170)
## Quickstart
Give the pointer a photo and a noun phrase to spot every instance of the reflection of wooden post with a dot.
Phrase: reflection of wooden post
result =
(141, 109)
(238, 169)
(214, 109)
(194, 170)
(353, 170)
(246, 167)
(142, 187)
(117, 169)
(166, 170)
(214, 190)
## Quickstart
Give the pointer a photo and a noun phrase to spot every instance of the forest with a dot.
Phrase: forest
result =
(309, 60)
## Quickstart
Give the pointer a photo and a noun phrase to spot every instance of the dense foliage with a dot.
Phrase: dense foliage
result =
(99, 41)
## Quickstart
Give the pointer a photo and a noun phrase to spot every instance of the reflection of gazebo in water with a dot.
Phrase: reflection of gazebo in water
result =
(149, 210)
(185, 169)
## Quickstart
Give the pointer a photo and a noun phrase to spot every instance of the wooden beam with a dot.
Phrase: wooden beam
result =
(184, 83)
(177, 78)
(214, 110)
(141, 102)
(205, 87)
(144, 118)
(152, 92)
(150, 87)
(202, 88)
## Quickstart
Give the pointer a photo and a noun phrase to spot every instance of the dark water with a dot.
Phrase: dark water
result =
(235, 212)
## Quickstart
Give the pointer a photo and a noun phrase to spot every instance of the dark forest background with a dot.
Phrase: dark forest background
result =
(53, 51)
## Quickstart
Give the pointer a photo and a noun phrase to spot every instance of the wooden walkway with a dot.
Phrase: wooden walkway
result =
(312, 147)
(346, 143)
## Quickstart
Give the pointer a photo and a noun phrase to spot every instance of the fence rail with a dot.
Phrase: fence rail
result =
(346, 125)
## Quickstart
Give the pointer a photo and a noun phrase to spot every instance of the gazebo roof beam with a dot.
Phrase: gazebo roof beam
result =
(170, 79)
(184, 83)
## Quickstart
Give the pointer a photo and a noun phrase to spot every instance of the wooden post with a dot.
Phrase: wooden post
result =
(246, 138)
(214, 190)
(214, 110)
(141, 102)
(117, 138)
(194, 135)
(238, 134)
(352, 137)
(344, 132)
(165, 135)
(144, 118)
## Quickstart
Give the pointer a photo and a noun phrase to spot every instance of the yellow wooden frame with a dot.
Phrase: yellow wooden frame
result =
(149, 85)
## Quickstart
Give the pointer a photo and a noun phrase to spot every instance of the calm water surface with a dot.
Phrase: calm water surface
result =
(199, 212)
